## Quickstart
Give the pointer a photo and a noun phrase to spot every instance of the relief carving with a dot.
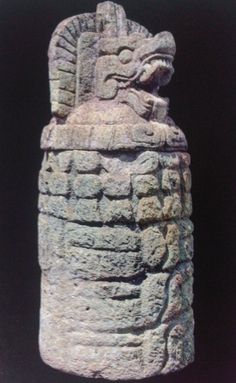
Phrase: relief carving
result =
(115, 238)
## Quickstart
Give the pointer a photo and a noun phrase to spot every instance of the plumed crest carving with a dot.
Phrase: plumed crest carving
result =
(63, 61)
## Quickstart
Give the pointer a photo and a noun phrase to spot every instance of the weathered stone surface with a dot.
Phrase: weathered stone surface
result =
(116, 210)
(115, 239)
(172, 206)
(86, 162)
(105, 238)
(122, 136)
(54, 183)
(145, 185)
(170, 180)
(116, 186)
(149, 210)
(86, 211)
(87, 185)
(110, 264)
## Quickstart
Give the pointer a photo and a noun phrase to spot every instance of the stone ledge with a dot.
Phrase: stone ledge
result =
(154, 135)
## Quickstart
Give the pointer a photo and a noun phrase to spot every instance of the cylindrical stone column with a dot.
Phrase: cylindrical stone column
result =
(115, 239)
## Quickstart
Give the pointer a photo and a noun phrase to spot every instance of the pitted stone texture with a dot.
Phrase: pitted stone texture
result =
(116, 283)
(115, 239)
(123, 188)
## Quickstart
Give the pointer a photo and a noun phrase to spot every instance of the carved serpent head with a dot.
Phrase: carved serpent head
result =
(131, 62)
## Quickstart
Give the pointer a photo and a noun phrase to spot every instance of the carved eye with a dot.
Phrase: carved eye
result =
(125, 56)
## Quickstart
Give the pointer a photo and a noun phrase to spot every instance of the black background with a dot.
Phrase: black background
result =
(202, 93)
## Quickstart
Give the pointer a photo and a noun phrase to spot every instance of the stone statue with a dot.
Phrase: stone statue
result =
(115, 239)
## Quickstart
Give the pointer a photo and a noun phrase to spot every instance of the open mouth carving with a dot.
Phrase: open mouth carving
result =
(156, 71)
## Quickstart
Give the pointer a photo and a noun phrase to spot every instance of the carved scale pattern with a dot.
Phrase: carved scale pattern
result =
(116, 249)
(115, 238)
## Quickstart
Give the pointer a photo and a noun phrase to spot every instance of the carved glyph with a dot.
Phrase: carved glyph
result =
(115, 239)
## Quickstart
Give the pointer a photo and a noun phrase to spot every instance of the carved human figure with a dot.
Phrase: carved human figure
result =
(115, 239)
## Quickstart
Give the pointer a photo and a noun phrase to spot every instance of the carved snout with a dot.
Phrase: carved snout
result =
(156, 57)
(162, 43)
(165, 43)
